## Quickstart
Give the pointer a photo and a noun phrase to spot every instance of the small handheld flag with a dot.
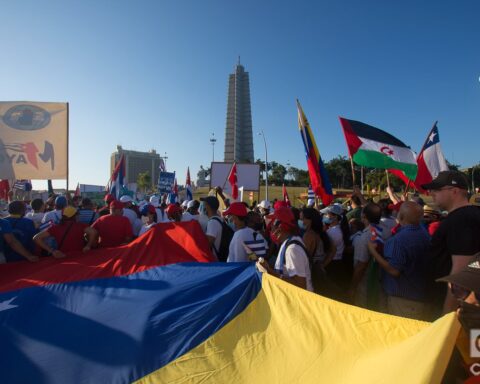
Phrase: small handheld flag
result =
(232, 179)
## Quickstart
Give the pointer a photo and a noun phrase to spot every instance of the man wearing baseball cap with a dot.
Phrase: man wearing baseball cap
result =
(113, 229)
(214, 225)
(457, 238)
(245, 240)
(130, 214)
(292, 263)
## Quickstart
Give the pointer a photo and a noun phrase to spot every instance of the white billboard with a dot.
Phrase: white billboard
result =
(248, 176)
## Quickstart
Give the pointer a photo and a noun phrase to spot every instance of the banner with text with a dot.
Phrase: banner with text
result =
(165, 182)
(33, 140)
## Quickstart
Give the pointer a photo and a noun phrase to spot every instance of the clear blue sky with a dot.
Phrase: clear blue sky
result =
(153, 74)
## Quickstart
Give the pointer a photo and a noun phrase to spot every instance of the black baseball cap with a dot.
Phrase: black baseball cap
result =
(448, 178)
(468, 278)
(212, 202)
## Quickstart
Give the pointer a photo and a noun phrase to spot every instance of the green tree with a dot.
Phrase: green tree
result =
(144, 181)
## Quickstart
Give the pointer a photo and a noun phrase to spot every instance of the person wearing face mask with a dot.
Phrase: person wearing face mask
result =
(333, 264)
(245, 241)
(149, 218)
(292, 263)
(317, 244)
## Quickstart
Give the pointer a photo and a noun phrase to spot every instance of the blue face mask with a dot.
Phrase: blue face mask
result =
(327, 220)
(231, 224)
(201, 209)
(301, 225)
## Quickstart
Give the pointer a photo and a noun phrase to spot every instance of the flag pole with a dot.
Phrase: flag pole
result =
(353, 171)
(68, 117)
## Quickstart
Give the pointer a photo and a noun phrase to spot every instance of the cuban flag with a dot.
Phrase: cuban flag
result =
(118, 178)
(23, 185)
(188, 185)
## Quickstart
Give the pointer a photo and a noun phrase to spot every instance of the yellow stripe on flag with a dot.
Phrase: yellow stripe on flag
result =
(289, 335)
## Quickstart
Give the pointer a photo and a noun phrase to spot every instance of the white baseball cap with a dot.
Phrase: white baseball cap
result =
(155, 201)
(185, 203)
(265, 204)
(126, 199)
(191, 204)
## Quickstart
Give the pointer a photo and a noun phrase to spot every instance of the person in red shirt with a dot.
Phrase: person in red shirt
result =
(69, 235)
(113, 229)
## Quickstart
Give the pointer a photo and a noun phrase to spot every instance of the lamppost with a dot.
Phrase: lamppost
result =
(266, 164)
(165, 160)
(213, 141)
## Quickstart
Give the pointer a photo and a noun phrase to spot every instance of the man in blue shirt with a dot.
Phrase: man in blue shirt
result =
(22, 230)
(404, 264)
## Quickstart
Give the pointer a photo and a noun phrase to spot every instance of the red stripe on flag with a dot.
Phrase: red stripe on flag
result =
(353, 142)
(165, 243)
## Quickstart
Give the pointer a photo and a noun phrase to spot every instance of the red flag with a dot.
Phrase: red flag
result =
(4, 189)
(175, 187)
(232, 179)
(286, 199)
(77, 190)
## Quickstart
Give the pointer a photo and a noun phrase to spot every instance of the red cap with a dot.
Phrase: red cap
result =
(395, 207)
(172, 209)
(284, 215)
(109, 198)
(236, 209)
(116, 204)
(279, 204)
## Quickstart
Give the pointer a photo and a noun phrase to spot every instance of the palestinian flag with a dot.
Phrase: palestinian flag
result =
(372, 147)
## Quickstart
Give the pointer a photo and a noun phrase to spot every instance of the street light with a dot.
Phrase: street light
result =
(266, 164)
(213, 141)
(165, 160)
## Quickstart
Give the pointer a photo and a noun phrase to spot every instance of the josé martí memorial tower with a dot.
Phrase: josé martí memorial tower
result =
(238, 130)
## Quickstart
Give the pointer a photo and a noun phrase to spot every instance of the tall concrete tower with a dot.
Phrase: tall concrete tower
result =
(238, 130)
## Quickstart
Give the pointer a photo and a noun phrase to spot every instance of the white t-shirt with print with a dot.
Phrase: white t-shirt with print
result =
(236, 251)
(296, 262)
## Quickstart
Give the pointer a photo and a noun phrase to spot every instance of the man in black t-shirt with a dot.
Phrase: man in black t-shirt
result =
(457, 239)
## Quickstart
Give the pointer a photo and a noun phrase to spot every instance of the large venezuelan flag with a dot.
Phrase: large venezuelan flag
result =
(136, 317)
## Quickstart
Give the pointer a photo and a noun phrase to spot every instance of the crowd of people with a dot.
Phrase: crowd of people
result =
(386, 255)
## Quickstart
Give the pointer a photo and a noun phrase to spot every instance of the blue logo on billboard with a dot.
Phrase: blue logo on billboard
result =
(27, 117)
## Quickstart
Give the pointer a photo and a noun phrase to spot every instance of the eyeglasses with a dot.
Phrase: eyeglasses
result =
(461, 293)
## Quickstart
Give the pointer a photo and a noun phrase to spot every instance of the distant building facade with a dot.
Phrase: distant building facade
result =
(137, 162)
(238, 130)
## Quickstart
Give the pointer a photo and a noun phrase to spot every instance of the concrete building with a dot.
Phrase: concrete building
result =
(137, 162)
(238, 130)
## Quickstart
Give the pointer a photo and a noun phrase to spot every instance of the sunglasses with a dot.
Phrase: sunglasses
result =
(461, 293)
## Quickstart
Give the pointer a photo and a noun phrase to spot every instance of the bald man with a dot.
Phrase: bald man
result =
(404, 263)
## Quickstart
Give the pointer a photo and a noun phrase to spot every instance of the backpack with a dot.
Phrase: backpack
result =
(226, 238)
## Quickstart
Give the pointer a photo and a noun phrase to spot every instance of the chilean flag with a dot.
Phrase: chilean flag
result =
(316, 170)
(430, 161)
(232, 179)
(118, 178)
(188, 185)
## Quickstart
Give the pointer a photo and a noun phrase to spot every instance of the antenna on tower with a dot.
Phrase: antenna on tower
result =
(238, 59)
